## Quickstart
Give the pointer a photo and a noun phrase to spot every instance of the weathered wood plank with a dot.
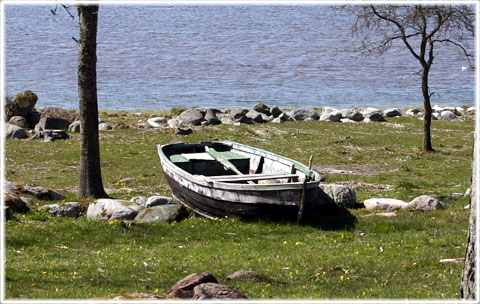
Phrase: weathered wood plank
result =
(225, 162)
(251, 177)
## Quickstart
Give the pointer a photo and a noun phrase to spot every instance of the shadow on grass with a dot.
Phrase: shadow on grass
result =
(331, 217)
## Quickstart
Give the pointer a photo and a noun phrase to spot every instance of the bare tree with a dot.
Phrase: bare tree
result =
(421, 29)
(90, 185)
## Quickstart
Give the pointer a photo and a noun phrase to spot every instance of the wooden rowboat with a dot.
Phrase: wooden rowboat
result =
(217, 179)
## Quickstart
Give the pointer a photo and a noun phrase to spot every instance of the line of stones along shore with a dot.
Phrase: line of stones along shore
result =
(22, 116)
(262, 113)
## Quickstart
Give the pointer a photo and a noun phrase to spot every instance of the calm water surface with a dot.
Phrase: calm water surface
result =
(159, 57)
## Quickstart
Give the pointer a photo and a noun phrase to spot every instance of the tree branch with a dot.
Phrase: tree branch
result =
(461, 47)
(400, 27)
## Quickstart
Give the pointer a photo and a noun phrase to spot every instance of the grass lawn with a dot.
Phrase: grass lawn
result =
(376, 258)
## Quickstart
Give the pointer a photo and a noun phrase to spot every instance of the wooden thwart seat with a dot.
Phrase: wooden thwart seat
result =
(248, 177)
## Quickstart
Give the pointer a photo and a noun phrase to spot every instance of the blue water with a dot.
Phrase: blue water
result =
(159, 57)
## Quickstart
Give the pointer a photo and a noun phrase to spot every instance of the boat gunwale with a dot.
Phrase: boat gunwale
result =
(202, 180)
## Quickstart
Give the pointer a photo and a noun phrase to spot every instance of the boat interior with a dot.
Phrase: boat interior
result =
(219, 162)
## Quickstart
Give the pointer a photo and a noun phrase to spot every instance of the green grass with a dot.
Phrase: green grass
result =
(376, 258)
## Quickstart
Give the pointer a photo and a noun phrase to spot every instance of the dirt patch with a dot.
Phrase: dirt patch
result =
(366, 186)
(366, 170)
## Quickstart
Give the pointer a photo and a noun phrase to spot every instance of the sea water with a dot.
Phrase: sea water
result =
(159, 57)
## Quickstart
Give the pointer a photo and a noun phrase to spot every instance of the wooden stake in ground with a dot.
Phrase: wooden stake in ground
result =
(302, 197)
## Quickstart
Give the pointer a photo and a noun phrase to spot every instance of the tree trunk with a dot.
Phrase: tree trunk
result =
(468, 285)
(90, 185)
(427, 116)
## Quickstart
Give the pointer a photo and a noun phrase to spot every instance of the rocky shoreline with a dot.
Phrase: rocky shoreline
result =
(24, 121)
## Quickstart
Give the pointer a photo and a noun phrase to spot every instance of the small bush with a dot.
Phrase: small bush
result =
(70, 115)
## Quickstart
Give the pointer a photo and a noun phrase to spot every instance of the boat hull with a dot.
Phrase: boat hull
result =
(220, 199)
(212, 208)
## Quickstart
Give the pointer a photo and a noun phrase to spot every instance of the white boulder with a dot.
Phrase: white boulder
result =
(384, 204)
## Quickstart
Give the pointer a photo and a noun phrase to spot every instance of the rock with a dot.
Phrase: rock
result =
(346, 120)
(262, 108)
(70, 209)
(225, 119)
(139, 200)
(191, 117)
(375, 116)
(267, 118)
(277, 120)
(15, 204)
(460, 111)
(18, 121)
(211, 117)
(436, 116)
(425, 203)
(384, 204)
(37, 191)
(52, 123)
(333, 116)
(184, 288)
(275, 111)
(243, 275)
(342, 195)
(327, 110)
(138, 296)
(353, 115)
(255, 116)
(33, 118)
(23, 103)
(367, 111)
(165, 213)
(104, 126)
(392, 112)
(173, 123)
(437, 108)
(448, 115)
(158, 200)
(14, 132)
(303, 114)
(74, 127)
(468, 192)
(412, 112)
(111, 209)
(52, 135)
(471, 110)
(285, 117)
(207, 291)
(454, 110)
(238, 114)
(157, 122)
(183, 131)
(386, 214)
